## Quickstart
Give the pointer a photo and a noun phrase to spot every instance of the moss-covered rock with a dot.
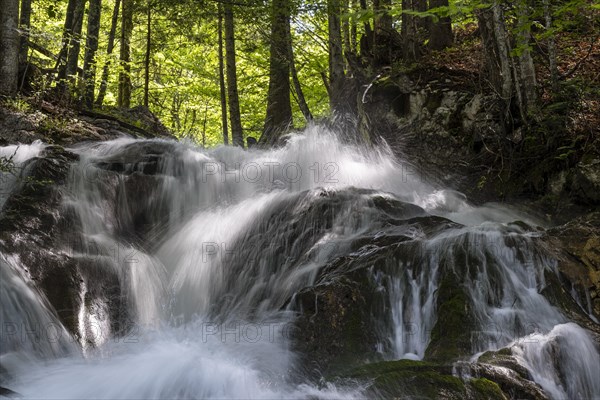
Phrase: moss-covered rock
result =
(419, 380)
(450, 338)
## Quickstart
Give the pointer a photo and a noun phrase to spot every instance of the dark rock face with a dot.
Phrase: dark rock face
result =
(577, 247)
(45, 235)
(585, 181)
(439, 130)
(44, 231)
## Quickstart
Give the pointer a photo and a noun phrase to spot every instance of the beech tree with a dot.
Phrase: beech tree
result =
(124, 99)
(24, 25)
(235, 119)
(279, 109)
(91, 47)
(9, 47)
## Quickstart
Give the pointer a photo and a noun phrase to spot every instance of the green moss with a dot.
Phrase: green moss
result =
(409, 378)
(450, 337)
(420, 379)
(486, 389)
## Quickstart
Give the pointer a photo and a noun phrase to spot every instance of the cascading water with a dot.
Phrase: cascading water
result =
(209, 246)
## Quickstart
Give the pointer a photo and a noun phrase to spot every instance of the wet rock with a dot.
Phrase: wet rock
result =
(585, 181)
(576, 246)
(419, 380)
(503, 369)
(43, 233)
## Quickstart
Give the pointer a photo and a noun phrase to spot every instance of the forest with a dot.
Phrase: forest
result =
(220, 71)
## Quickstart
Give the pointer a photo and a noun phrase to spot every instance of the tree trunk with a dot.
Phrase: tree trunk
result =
(527, 78)
(336, 60)
(222, 88)
(346, 27)
(366, 41)
(382, 33)
(413, 29)
(409, 33)
(109, 50)
(440, 31)
(61, 62)
(551, 46)
(279, 109)
(353, 28)
(9, 47)
(75, 42)
(91, 47)
(496, 51)
(237, 135)
(148, 54)
(24, 25)
(298, 89)
(124, 98)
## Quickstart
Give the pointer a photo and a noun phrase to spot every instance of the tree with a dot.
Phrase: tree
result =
(383, 33)
(24, 26)
(440, 31)
(109, 50)
(336, 60)
(148, 53)
(232, 90)
(61, 63)
(279, 109)
(222, 88)
(413, 27)
(124, 98)
(9, 47)
(512, 78)
(526, 77)
(300, 99)
(91, 47)
(496, 50)
(75, 40)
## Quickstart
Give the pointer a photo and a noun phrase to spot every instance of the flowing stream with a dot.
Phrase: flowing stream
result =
(209, 246)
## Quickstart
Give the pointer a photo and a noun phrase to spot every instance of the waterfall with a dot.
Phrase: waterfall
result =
(209, 246)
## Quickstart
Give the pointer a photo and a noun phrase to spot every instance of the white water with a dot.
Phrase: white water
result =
(207, 297)
(16, 157)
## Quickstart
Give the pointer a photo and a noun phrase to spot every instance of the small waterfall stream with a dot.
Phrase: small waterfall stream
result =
(209, 246)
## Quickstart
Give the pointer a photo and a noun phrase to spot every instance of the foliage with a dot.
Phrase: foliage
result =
(183, 64)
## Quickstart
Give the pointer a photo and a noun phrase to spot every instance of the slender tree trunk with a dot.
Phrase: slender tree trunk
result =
(412, 29)
(496, 50)
(353, 28)
(440, 31)
(24, 24)
(124, 99)
(109, 50)
(91, 47)
(9, 47)
(61, 63)
(382, 33)
(75, 46)
(298, 88)
(526, 70)
(346, 27)
(279, 109)
(366, 41)
(237, 135)
(222, 88)
(148, 54)
(336, 60)
(551, 46)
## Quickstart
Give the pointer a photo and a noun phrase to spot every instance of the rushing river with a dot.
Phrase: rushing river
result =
(211, 245)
